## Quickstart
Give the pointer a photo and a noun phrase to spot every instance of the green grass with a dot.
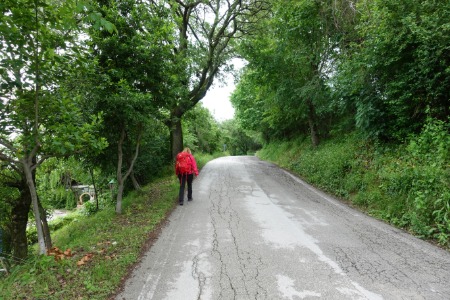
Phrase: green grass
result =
(202, 159)
(113, 242)
(400, 184)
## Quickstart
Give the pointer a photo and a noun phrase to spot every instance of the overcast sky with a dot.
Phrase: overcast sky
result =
(217, 101)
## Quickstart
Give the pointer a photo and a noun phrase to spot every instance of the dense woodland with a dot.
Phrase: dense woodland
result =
(105, 93)
(354, 96)
(94, 93)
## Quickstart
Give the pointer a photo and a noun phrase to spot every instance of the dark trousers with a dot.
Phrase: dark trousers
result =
(183, 178)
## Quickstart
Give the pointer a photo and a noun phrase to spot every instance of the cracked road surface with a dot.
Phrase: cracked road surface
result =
(254, 231)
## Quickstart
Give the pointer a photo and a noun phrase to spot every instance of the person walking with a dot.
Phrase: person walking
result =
(185, 169)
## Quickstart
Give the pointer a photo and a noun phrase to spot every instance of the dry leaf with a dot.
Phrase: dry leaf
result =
(85, 259)
(58, 254)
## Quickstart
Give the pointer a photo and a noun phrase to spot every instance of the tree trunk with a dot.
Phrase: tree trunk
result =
(45, 228)
(120, 187)
(312, 124)
(91, 172)
(136, 184)
(121, 178)
(176, 136)
(34, 200)
(119, 171)
(19, 221)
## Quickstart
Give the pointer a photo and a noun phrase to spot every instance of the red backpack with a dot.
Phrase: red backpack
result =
(183, 163)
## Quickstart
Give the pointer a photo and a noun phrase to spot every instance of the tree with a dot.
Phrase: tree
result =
(239, 141)
(252, 108)
(207, 31)
(306, 46)
(397, 67)
(14, 211)
(201, 130)
(129, 77)
(38, 120)
(291, 62)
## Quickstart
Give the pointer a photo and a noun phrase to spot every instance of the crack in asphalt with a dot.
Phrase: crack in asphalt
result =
(198, 275)
(239, 276)
(257, 232)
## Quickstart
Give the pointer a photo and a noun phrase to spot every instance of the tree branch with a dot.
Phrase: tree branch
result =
(136, 152)
(40, 161)
(5, 143)
(6, 158)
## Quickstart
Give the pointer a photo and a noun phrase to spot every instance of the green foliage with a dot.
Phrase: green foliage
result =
(427, 163)
(106, 201)
(115, 242)
(284, 90)
(201, 131)
(7, 195)
(377, 67)
(237, 140)
(397, 67)
(53, 225)
(38, 118)
(55, 178)
(88, 209)
(407, 185)
(332, 162)
(249, 102)
(154, 154)
(128, 81)
(414, 182)
(12, 198)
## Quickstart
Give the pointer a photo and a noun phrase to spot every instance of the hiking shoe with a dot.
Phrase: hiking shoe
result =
(190, 199)
(181, 203)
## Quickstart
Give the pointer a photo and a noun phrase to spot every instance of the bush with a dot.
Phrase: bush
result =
(53, 225)
(115, 240)
(407, 185)
(428, 161)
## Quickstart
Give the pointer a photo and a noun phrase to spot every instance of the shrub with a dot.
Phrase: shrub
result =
(407, 185)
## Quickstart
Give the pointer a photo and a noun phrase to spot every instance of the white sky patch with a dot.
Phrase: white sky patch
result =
(217, 101)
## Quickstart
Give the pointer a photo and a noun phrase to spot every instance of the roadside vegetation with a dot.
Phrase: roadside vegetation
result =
(93, 251)
(354, 97)
(97, 98)
(407, 185)
(91, 254)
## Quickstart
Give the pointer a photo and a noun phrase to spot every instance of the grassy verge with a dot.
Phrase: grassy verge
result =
(406, 185)
(94, 253)
(102, 247)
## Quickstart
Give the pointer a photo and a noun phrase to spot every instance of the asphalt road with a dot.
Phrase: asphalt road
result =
(254, 231)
